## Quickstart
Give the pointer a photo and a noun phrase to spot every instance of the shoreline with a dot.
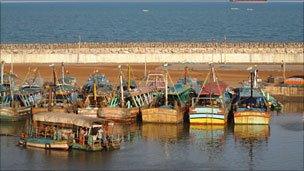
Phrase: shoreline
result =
(157, 47)
(154, 52)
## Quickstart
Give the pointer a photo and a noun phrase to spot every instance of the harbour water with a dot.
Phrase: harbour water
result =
(278, 146)
(112, 22)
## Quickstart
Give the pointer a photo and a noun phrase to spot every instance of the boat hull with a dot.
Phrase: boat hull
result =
(11, 114)
(162, 115)
(206, 116)
(252, 117)
(45, 144)
(119, 114)
(91, 112)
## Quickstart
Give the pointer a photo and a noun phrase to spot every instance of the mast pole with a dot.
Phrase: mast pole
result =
(129, 77)
(121, 87)
(251, 83)
(185, 75)
(2, 71)
(166, 85)
(62, 73)
(10, 80)
(284, 70)
(145, 67)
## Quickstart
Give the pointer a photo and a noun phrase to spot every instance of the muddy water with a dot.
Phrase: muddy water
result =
(168, 146)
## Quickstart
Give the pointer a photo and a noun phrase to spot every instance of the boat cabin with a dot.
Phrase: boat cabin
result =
(81, 132)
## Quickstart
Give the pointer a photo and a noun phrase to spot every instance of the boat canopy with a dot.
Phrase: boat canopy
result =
(245, 91)
(214, 88)
(67, 118)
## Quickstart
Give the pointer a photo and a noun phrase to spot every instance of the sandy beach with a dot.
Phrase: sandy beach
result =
(230, 73)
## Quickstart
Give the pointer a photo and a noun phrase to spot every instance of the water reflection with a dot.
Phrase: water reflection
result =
(253, 138)
(128, 132)
(12, 128)
(251, 133)
(162, 132)
(173, 146)
(209, 137)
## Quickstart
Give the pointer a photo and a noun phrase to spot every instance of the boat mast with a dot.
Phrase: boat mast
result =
(255, 75)
(95, 91)
(145, 67)
(11, 82)
(251, 83)
(284, 70)
(54, 74)
(129, 77)
(213, 73)
(121, 87)
(185, 75)
(166, 84)
(2, 71)
(62, 73)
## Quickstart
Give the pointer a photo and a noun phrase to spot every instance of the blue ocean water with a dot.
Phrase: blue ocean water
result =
(108, 22)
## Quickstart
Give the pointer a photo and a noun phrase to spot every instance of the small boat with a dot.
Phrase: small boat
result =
(213, 102)
(251, 106)
(52, 130)
(44, 143)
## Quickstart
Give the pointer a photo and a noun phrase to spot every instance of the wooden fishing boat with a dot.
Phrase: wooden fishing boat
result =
(60, 96)
(129, 101)
(32, 85)
(97, 92)
(251, 106)
(14, 105)
(175, 107)
(213, 102)
(52, 130)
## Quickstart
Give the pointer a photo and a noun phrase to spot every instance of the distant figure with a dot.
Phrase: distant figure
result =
(81, 137)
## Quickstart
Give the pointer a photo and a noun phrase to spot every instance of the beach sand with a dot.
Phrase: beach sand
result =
(232, 74)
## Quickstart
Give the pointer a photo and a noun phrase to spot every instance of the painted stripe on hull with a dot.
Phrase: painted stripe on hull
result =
(207, 115)
(207, 121)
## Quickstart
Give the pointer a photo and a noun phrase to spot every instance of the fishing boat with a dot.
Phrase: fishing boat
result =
(32, 85)
(251, 106)
(125, 106)
(213, 102)
(14, 105)
(59, 96)
(51, 130)
(175, 106)
(97, 92)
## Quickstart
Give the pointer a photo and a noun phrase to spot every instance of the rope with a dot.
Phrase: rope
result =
(175, 89)
(205, 81)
